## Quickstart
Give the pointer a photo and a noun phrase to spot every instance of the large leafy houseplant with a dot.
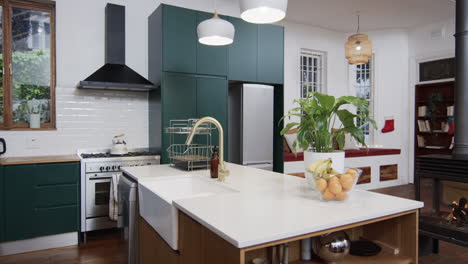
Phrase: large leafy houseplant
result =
(324, 120)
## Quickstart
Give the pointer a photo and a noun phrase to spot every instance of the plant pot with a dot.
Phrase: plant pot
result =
(35, 120)
(337, 157)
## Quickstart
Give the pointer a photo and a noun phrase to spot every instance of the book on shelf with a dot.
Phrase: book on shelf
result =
(421, 126)
(450, 110)
(435, 147)
(428, 125)
(422, 111)
(421, 141)
(451, 144)
(424, 126)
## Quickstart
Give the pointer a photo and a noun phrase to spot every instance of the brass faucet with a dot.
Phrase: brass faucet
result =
(222, 171)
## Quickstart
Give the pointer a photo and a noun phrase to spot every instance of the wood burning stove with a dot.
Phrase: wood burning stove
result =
(442, 217)
(442, 184)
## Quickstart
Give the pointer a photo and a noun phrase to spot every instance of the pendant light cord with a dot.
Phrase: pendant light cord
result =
(358, 22)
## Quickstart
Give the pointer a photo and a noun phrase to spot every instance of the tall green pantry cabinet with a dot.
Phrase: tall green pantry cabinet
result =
(194, 79)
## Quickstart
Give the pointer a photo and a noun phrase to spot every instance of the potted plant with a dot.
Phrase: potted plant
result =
(324, 121)
(34, 113)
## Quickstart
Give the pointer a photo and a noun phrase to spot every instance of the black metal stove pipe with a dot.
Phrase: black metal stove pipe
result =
(461, 78)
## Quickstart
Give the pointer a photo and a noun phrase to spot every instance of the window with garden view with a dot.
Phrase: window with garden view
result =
(27, 64)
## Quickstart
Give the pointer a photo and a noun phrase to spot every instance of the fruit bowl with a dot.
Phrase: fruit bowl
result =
(337, 187)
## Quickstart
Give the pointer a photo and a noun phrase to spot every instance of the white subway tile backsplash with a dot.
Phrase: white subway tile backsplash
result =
(86, 119)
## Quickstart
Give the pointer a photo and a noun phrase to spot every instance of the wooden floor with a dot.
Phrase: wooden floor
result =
(105, 247)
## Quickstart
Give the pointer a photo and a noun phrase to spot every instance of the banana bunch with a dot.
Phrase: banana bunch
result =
(322, 169)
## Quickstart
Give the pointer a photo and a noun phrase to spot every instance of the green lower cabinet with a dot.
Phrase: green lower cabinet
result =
(19, 200)
(40, 200)
(55, 220)
(2, 201)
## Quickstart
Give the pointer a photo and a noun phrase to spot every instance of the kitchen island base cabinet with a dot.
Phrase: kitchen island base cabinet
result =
(198, 245)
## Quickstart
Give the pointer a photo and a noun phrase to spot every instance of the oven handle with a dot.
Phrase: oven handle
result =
(100, 179)
(106, 176)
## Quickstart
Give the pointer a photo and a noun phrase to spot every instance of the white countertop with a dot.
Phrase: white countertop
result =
(271, 206)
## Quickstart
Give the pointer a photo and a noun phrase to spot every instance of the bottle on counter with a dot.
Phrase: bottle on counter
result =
(214, 163)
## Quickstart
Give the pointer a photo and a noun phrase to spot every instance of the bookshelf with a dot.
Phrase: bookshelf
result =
(433, 113)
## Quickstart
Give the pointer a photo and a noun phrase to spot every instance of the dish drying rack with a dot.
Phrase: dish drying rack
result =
(189, 157)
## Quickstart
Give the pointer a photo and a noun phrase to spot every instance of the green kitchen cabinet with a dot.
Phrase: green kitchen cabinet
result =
(2, 201)
(19, 199)
(185, 96)
(178, 94)
(179, 37)
(173, 44)
(40, 199)
(242, 58)
(211, 60)
(270, 67)
(212, 98)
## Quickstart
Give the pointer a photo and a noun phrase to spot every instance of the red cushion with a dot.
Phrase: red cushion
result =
(353, 153)
(288, 156)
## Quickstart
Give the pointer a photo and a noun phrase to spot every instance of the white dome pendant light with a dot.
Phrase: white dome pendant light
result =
(215, 31)
(263, 11)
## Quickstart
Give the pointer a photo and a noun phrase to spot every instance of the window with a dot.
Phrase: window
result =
(362, 83)
(313, 67)
(28, 64)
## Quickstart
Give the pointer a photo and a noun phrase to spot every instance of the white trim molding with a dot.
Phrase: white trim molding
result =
(39, 243)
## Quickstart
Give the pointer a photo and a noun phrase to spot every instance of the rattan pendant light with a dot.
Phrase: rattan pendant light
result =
(358, 48)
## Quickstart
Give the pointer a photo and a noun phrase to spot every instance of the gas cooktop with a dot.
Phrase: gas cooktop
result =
(108, 155)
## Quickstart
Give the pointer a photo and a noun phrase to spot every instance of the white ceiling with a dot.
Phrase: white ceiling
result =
(340, 15)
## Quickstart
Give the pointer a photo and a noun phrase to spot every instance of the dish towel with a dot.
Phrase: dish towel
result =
(114, 198)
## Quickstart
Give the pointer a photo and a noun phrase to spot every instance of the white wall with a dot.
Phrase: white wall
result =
(391, 78)
(430, 42)
(298, 36)
(391, 89)
(91, 118)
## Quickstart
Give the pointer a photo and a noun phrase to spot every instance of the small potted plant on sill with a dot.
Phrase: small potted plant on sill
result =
(324, 121)
(34, 107)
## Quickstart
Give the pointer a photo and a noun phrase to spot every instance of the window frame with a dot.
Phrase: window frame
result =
(39, 5)
(322, 86)
(352, 74)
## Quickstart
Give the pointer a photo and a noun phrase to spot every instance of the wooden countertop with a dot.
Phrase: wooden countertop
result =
(39, 159)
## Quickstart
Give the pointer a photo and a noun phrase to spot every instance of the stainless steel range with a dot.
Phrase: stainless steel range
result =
(97, 168)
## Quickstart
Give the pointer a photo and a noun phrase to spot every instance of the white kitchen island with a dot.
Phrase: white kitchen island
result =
(261, 209)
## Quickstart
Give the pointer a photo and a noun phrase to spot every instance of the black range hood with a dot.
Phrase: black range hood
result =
(115, 75)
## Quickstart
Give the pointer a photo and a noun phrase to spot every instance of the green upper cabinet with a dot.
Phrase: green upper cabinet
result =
(212, 98)
(270, 67)
(255, 56)
(40, 200)
(179, 38)
(243, 52)
(211, 60)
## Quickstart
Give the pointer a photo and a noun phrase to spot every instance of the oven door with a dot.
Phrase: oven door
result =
(97, 196)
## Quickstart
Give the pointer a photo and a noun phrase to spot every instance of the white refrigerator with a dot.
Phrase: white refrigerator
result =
(257, 126)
